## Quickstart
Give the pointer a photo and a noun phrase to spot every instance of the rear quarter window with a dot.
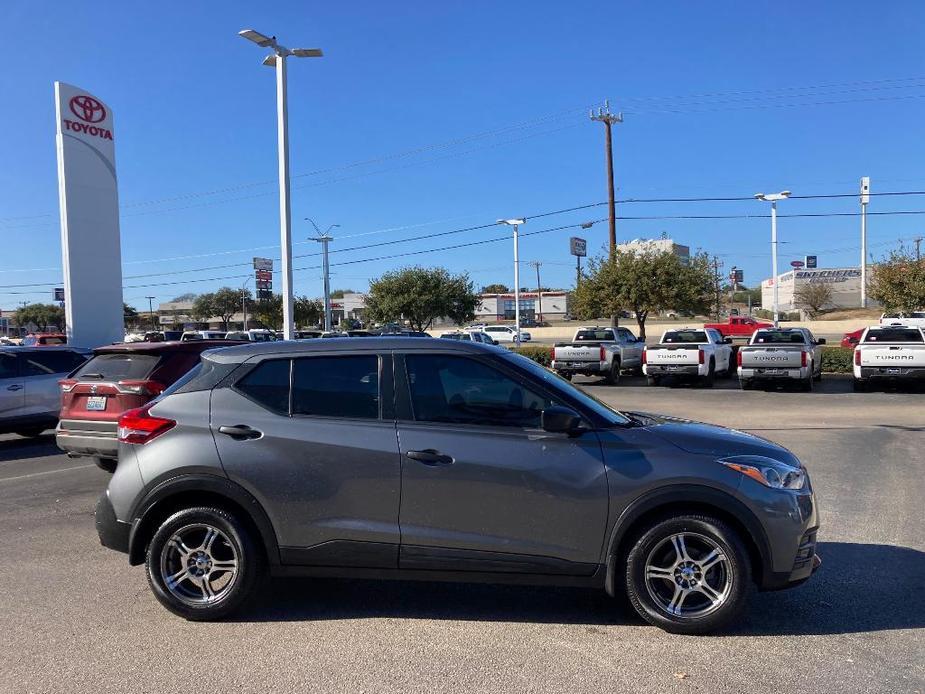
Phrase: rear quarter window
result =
(268, 385)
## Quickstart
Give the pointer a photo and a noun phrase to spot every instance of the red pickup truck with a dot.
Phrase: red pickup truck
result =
(739, 326)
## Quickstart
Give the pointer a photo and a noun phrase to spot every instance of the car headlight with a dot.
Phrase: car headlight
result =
(767, 471)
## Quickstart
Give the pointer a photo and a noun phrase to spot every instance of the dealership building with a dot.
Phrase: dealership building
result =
(500, 307)
(845, 283)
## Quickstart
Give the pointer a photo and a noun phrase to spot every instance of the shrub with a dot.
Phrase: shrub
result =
(837, 359)
(538, 353)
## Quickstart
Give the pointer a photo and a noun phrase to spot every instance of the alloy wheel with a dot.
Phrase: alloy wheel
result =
(688, 575)
(199, 564)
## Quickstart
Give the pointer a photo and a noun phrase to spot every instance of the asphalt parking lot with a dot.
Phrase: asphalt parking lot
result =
(77, 618)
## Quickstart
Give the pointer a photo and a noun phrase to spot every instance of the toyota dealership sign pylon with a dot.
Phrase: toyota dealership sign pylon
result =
(89, 200)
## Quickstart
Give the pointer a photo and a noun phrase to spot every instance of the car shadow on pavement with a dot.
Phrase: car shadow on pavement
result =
(860, 588)
(23, 448)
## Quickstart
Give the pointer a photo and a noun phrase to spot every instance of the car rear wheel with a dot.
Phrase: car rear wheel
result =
(711, 375)
(653, 380)
(203, 563)
(860, 386)
(807, 385)
(613, 376)
(688, 574)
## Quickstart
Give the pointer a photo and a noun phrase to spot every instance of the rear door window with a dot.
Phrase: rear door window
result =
(118, 367)
(345, 386)
(43, 363)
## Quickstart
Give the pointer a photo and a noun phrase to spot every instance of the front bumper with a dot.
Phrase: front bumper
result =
(113, 533)
(805, 564)
(86, 437)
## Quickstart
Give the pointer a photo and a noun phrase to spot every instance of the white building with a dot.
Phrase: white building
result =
(500, 307)
(845, 283)
(644, 246)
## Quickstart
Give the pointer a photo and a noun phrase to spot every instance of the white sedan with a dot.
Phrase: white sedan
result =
(506, 333)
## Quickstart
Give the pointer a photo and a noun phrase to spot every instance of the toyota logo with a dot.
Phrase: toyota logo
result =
(87, 108)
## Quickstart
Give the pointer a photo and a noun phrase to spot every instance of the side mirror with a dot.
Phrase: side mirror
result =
(727, 340)
(560, 420)
(820, 341)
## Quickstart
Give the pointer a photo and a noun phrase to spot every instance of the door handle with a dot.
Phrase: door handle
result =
(240, 432)
(430, 457)
(14, 387)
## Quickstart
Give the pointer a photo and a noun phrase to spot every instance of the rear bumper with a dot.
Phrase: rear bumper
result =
(671, 370)
(113, 533)
(85, 437)
(761, 374)
(589, 368)
(897, 373)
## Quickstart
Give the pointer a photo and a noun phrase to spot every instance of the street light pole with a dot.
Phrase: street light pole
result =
(865, 199)
(515, 223)
(323, 239)
(773, 198)
(244, 304)
(151, 310)
(277, 59)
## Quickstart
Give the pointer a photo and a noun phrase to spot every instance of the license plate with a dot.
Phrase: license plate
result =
(673, 367)
(577, 364)
(774, 372)
(96, 403)
(894, 371)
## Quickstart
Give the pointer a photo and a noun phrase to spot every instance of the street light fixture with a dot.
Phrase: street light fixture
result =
(323, 239)
(277, 59)
(515, 223)
(773, 198)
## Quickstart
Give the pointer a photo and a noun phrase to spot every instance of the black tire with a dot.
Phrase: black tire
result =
(613, 376)
(106, 464)
(733, 573)
(567, 377)
(732, 368)
(746, 384)
(807, 385)
(653, 381)
(238, 542)
(32, 432)
(710, 378)
(860, 386)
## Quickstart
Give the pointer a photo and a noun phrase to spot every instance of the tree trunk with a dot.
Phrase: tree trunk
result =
(641, 322)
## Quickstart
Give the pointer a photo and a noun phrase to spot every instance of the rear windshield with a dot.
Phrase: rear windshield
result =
(779, 337)
(117, 367)
(894, 335)
(588, 335)
(685, 336)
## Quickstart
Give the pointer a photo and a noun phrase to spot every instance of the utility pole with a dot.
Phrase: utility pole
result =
(918, 248)
(151, 310)
(865, 199)
(716, 287)
(608, 119)
(323, 239)
(539, 292)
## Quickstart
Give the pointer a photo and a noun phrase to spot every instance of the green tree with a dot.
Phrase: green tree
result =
(421, 295)
(129, 315)
(339, 293)
(898, 282)
(308, 312)
(269, 312)
(495, 289)
(813, 297)
(40, 315)
(642, 283)
(204, 307)
(223, 303)
(189, 296)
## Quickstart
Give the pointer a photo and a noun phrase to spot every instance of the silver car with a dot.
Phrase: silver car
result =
(29, 396)
(444, 459)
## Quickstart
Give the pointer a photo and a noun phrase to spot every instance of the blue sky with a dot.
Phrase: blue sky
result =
(429, 117)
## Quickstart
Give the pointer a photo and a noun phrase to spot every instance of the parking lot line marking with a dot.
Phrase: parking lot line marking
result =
(47, 472)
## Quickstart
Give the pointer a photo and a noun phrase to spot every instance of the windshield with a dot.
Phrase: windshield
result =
(779, 337)
(604, 411)
(894, 335)
(692, 336)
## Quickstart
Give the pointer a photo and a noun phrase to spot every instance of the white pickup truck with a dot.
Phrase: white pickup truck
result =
(690, 353)
(781, 354)
(596, 351)
(889, 353)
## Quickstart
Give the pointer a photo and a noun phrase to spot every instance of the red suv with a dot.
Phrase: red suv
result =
(119, 378)
(40, 339)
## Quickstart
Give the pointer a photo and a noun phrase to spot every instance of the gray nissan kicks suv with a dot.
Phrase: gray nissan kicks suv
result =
(444, 460)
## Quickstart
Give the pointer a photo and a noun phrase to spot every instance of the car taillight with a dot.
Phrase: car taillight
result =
(857, 357)
(67, 384)
(603, 353)
(138, 426)
(552, 354)
(802, 358)
(140, 387)
(645, 357)
(700, 355)
(738, 357)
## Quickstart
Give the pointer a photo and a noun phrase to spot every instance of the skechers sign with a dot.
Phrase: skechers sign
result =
(90, 111)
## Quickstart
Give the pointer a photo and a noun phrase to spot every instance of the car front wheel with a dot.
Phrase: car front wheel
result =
(203, 563)
(688, 574)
